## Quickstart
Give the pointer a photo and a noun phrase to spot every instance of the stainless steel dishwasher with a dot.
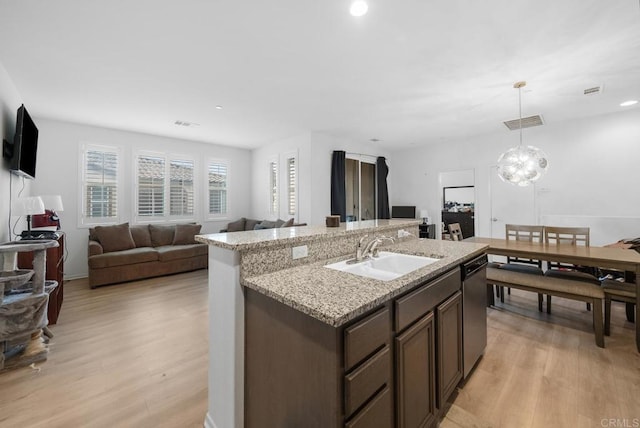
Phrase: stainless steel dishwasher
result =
(474, 311)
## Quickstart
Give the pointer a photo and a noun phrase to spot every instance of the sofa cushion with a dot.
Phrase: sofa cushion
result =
(250, 224)
(115, 238)
(288, 223)
(123, 258)
(236, 226)
(265, 224)
(185, 234)
(175, 252)
(161, 235)
(141, 235)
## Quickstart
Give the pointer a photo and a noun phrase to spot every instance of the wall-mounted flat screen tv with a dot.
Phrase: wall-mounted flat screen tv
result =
(25, 145)
(398, 211)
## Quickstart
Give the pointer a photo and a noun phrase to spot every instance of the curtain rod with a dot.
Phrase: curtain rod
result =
(362, 154)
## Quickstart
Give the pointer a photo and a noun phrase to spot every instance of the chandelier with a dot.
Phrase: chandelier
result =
(522, 165)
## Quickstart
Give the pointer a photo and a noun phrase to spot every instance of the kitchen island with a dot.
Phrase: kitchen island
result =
(269, 310)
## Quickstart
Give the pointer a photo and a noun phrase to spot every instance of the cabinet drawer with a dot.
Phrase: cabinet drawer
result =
(365, 337)
(362, 383)
(377, 414)
(417, 303)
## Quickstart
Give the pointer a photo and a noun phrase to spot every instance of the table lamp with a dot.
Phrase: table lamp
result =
(425, 216)
(27, 206)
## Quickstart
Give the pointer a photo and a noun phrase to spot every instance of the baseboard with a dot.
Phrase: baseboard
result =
(208, 422)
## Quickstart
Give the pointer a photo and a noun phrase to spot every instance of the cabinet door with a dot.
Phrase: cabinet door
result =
(415, 376)
(449, 321)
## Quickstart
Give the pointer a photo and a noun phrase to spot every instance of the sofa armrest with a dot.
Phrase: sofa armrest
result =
(95, 248)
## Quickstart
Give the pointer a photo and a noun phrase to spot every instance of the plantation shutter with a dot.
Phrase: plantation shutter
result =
(218, 176)
(151, 176)
(273, 187)
(181, 193)
(291, 185)
(100, 184)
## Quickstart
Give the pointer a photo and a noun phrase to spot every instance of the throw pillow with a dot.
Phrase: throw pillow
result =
(279, 223)
(161, 235)
(115, 238)
(185, 234)
(141, 235)
(236, 226)
(265, 224)
(250, 224)
(289, 223)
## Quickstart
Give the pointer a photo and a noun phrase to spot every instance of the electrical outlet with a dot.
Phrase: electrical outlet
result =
(299, 252)
(402, 233)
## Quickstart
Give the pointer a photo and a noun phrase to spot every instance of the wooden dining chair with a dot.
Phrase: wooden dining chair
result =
(576, 236)
(455, 231)
(618, 291)
(523, 233)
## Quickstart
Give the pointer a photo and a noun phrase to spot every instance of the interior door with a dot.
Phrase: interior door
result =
(509, 204)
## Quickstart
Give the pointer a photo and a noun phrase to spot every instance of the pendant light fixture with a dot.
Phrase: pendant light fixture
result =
(522, 165)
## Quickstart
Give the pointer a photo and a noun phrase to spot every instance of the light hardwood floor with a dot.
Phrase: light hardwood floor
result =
(135, 355)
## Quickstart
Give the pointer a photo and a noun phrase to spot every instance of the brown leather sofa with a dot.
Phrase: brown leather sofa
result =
(122, 253)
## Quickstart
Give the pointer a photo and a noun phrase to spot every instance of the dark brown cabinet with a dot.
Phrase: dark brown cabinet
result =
(450, 357)
(415, 371)
(393, 367)
(465, 219)
(54, 271)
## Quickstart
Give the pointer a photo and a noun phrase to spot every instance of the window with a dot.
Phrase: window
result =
(165, 187)
(181, 188)
(291, 186)
(273, 187)
(99, 184)
(151, 174)
(218, 185)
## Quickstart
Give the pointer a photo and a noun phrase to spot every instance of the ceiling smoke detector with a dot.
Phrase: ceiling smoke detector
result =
(185, 123)
(527, 122)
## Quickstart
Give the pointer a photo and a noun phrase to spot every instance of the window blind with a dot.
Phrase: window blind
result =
(291, 186)
(273, 187)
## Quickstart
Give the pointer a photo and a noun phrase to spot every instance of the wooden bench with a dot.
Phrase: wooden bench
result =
(570, 289)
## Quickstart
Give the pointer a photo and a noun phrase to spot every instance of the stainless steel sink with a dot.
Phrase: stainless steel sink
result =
(386, 267)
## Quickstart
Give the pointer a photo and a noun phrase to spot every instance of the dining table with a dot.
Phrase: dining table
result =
(618, 259)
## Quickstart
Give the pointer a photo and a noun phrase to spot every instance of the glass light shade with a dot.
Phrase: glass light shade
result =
(27, 206)
(358, 8)
(52, 202)
(522, 165)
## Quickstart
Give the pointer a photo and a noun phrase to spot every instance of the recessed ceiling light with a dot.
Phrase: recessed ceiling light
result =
(185, 123)
(374, 140)
(219, 107)
(358, 8)
(628, 103)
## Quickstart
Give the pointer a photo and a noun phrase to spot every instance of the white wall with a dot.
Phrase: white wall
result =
(593, 168)
(57, 173)
(10, 100)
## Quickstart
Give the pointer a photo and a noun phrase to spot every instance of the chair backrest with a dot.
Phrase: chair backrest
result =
(524, 233)
(566, 236)
(576, 236)
(455, 231)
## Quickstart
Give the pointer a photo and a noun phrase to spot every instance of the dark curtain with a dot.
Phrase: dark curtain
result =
(382, 170)
(338, 193)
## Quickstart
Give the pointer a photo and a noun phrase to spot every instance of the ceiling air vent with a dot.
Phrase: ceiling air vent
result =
(185, 123)
(527, 122)
(593, 91)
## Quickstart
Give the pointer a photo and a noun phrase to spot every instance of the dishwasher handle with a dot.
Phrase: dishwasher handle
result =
(471, 267)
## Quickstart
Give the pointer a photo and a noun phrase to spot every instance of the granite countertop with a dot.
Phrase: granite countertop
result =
(255, 239)
(336, 297)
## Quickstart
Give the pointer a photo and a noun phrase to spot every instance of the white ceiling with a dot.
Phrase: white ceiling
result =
(408, 73)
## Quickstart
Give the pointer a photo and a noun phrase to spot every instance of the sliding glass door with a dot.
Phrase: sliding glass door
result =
(360, 188)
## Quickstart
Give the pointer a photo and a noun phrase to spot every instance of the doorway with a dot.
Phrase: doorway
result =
(458, 203)
(509, 204)
(360, 189)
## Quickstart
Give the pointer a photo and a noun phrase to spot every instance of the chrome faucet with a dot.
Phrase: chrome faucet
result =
(371, 248)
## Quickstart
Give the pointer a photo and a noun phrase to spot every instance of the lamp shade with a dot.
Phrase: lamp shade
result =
(27, 206)
(424, 213)
(52, 202)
